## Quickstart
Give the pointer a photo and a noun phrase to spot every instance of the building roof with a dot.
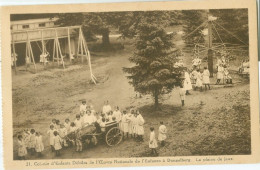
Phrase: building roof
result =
(30, 21)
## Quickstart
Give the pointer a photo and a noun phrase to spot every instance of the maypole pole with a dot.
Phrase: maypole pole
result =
(210, 51)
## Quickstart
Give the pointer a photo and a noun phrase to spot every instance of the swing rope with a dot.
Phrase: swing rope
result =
(38, 46)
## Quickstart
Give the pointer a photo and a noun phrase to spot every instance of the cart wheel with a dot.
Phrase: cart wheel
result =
(114, 136)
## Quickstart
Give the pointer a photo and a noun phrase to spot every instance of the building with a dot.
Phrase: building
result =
(41, 35)
(33, 24)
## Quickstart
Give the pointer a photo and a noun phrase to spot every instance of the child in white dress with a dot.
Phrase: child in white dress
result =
(140, 126)
(83, 107)
(130, 122)
(205, 78)
(125, 124)
(135, 125)
(63, 132)
(39, 144)
(32, 142)
(50, 133)
(22, 152)
(57, 143)
(162, 134)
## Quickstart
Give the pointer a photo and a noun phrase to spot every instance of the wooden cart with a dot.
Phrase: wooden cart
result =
(112, 135)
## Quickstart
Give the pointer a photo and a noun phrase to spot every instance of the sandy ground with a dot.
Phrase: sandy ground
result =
(215, 122)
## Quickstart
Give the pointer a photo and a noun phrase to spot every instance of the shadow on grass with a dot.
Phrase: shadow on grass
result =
(162, 110)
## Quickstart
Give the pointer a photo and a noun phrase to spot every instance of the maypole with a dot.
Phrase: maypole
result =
(210, 51)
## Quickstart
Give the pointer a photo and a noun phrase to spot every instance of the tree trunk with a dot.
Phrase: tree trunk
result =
(105, 37)
(156, 98)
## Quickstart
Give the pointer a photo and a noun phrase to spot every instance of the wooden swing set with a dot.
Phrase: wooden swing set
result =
(82, 48)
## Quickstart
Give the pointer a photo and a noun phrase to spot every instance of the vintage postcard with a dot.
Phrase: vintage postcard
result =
(130, 84)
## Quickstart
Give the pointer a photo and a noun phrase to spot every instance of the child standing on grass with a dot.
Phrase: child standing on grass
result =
(39, 144)
(205, 78)
(78, 141)
(130, 116)
(51, 137)
(32, 142)
(63, 132)
(182, 93)
(125, 125)
(153, 143)
(198, 80)
(83, 107)
(162, 134)
(22, 152)
(135, 125)
(140, 126)
(57, 143)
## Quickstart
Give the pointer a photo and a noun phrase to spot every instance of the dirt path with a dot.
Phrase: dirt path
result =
(209, 119)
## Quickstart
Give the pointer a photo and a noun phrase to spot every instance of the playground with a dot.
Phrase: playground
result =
(212, 122)
(67, 70)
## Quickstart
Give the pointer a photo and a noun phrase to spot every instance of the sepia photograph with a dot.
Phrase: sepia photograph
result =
(130, 84)
(97, 86)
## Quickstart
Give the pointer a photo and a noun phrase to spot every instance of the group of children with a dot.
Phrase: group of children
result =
(130, 123)
(202, 77)
(223, 73)
(29, 142)
(198, 77)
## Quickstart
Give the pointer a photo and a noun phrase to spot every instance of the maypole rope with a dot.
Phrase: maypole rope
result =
(217, 32)
(231, 33)
(195, 29)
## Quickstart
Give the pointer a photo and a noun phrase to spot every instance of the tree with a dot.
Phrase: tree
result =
(153, 72)
(99, 23)
(192, 19)
(129, 21)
